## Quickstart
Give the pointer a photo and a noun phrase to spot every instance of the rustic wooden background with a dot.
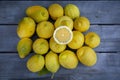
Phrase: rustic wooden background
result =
(105, 20)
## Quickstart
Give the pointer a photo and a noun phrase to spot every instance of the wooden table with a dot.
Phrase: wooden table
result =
(105, 20)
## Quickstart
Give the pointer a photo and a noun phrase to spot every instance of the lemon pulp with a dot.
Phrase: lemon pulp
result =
(62, 35)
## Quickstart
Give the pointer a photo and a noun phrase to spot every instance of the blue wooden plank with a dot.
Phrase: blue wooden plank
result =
(106, 68)
(8, 35)
(99, 76)
(46, 78)
(99, 12)
(110, 37)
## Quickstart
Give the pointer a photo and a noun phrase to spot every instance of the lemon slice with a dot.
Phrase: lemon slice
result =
(63, 35)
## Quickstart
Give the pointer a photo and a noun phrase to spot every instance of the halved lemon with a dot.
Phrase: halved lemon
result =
(63, 35)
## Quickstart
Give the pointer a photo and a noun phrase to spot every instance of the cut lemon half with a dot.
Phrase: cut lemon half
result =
(63, 35)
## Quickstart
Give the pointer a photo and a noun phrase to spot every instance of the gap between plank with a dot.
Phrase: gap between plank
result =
(106, 51)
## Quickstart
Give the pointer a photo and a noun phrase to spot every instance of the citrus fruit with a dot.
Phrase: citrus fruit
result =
(68, 59)
(35, 63)
(77, 41)
(26, 27)
(64, 21)
(55, 47)
(45, 29)
(40, 46)
(51, 62)
(55, 11)
(24, 47)
(38, 13)
(92, 39)
(72, 11)
(81, 24)
(87, 56)
(63, 35)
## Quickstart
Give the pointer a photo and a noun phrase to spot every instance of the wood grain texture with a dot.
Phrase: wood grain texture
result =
(105, 20)
(97, 76)
(110, 37)
(99, 12)
(107, 66)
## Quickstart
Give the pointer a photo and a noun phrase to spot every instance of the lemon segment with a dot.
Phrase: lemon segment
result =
(63, 35)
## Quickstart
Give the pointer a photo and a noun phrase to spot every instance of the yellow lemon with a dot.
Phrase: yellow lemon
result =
(26, 27)
(68, 59)
(55, 47)
(35, 63)
(38, 13)
(24, 47)
(72, 11)
(64, 21)
(45, 29)
(92, 39)
(63, 35)
(77, 41)
(55, 11)
(40, 46)
(81, 24)
(51, 62)
(87, 56)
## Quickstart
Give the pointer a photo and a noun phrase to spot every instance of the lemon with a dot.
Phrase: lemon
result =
(72, 11)
(26, 27)
(92, 39)
(51, 62)
(55, 11)
(87, 56)
(68, 59)
(77, 41)
(35, 63)
(55, 47)
(45, 29)
(62, 35)
(38, 13)
(24, 47)
(81, 24)
(40, 46)
(64, 21)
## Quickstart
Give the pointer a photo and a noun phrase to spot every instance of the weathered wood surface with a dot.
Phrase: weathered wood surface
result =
(110, 37)
(108, 64)
(99, 12)
(105, 20)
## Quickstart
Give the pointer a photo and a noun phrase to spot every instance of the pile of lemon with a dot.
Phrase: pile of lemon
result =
(49, 53)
